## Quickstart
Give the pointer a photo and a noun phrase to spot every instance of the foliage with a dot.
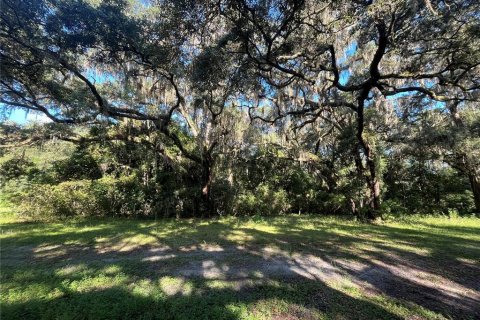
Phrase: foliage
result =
(128, 181)
(263, 200)
(15, 168)
(80, 165)
(102, 197)
(235, 107)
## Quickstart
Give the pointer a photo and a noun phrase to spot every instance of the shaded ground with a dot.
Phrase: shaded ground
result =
(276, 268)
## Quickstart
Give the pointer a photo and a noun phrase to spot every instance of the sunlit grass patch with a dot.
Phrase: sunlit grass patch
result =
(174, 286)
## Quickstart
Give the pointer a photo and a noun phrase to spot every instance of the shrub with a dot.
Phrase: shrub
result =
(104, 197)
(262, 201)
(126, 196)
(80, 165)
(15, 168)
(71, 198)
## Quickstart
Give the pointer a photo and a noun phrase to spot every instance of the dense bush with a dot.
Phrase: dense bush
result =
(264, 200)
(80, 165)
(102, 197)
(420, 188)
(16, 168)
(130, 180)
(70, 198)
(170, 195)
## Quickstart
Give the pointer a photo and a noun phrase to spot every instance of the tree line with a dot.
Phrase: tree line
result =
(225, 106)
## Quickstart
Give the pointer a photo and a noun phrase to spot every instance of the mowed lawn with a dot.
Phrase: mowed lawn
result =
(288, 267)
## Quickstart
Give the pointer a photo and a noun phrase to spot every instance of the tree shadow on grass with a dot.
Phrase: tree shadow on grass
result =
(434, 280)
(301, 299)
(303, 260)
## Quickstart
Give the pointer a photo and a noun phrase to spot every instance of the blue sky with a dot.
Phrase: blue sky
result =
(21, 116)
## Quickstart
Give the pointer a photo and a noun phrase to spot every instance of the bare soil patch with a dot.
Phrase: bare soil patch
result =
(404, 280)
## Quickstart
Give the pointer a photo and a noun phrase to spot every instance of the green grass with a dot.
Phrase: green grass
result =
(85, 269)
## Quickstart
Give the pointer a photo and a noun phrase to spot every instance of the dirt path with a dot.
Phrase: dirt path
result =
(401, 279)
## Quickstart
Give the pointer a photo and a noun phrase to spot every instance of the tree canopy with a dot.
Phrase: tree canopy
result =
(304, 106)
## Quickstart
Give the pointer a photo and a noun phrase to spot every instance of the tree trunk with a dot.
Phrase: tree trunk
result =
(475, 184)
(207, 176)
(374, 187)
(373, 183)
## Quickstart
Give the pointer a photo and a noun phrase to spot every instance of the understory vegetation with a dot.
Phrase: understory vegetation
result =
(59, 180)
